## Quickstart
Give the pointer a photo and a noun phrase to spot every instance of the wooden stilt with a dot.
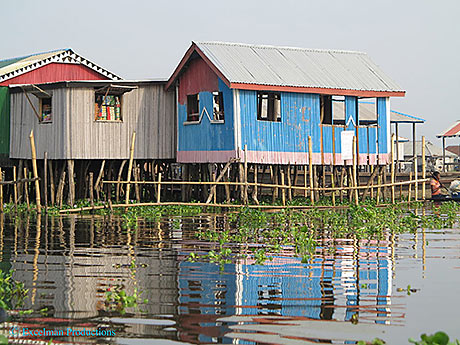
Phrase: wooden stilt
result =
(91, 186)
(310, 169)
(283, 191)
(254, 194)
(130, 165)
(288, 172)
(379, 182)
(333, 184)
(20, 185)
(34, 168)
(52, 186)
(392, 157)
(305, 181)
(70, 176)
(245, 175)
(26, 189)
(355, 180)
(45, 180)
(136, 186)
(1, 191)
(423, 169)
(415, 179)
(159, 188)
(409, 195)
(342, 181)
(15, 190)
(241, 180)
(119, 186)
(97, 185)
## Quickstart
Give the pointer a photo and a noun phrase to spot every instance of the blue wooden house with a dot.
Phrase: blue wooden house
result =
(270, 99)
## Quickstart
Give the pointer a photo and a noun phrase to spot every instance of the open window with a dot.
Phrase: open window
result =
(269, 106)
(108, 102)
(218, 106)
(367, 110)
(46, 109)
(326, 109)
(338, 110)
(193, 108)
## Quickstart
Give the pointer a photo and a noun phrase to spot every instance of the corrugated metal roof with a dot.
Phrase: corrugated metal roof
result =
(10, 68)
(451, 131)
(430, 149)
(297, 67)
(367, 112)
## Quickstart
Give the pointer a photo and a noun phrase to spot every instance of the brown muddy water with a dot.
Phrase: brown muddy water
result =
(69, 262)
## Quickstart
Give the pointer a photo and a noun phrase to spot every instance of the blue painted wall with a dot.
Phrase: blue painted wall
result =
(383, 126)
(300, 117)
(207, 136)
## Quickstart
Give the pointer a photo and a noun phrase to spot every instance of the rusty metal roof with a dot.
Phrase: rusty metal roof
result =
(451, 131)
(297, 67)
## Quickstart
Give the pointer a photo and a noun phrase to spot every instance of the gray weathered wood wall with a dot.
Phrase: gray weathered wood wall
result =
(74, 134)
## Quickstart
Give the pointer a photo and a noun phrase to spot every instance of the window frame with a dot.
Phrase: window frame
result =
(271, 98)
(97, 107)
(219, 115)
(193, 117)
(41, 111)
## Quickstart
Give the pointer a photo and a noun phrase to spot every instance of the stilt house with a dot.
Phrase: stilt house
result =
(269, 100)
(52, 66)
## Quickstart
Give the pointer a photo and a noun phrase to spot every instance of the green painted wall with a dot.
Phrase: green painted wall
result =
(4, 122)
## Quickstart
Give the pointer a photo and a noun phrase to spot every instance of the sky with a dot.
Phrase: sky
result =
(415, 42)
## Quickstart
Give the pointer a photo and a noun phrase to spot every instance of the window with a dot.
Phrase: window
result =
(326, 110)
(46, 110)
(107, 107)
(218, 106)
(269, 106)
(193, 107)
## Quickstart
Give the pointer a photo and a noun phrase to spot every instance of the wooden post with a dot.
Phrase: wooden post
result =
(355, 181)
(130, 166)
(70, 177)
(52, 187)
(410, 187)
(333, 185)
(392, 157)
(214, 195)
(283, 190)
(254, 194)
(443, 154)
(45, 180)
(415, 179)
(245, 174)
(310, 169)
(342, 178)
(289, 182)
(97, 185)
(136, 186)
(372, 180)
(159, 188)
(91, 190)
(15, 189)
(305, 180)
(34, 168)
(1, 191)
(26, 189)
(379, 182)
(60, 191)
(423, 169)
(118, 188)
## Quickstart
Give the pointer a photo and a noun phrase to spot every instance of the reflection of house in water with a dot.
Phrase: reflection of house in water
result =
(330, 287)
(70, 264)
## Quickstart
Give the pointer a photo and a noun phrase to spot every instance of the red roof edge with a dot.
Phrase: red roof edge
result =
(318, 90)
(188, 54)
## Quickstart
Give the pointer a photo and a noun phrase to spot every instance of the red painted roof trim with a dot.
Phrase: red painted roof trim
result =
(452, 131)
(188, 54)
(318, 90)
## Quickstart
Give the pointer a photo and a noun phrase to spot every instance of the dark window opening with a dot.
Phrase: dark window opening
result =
(218, 106)
(107, 107)
(46, 110)
(269, 106)
(193, 107)
(326, 110)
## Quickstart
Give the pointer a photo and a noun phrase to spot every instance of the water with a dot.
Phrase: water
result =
(69, 262)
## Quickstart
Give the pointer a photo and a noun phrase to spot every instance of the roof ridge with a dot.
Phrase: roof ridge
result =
(30, 55)
(268, 46)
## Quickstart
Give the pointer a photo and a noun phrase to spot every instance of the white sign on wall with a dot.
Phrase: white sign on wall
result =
(347, 144)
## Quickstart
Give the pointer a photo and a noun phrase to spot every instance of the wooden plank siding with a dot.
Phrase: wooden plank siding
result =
(74, 134)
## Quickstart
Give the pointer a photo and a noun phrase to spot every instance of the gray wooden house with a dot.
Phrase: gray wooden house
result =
(87, 127)
(93, 120)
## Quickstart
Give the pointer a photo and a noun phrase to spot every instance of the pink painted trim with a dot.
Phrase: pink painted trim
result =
(205, 156)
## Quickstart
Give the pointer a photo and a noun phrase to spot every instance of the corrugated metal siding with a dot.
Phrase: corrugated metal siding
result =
(74, 134)
(197, 78)
(206, 136)
(382, 121)
(284, 66)
(4, 122)
(299, 118)
(56, 72)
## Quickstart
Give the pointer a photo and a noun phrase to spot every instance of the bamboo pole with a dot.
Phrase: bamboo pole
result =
(1, 191)
(289, 182)
(26, 189)
(245, 174)
(423, 169)
(415, 179)
(120, 172)
(221, 175)
(52, 187)
(159, 188)
(99, 178)
(34, 168)
(333, 184)
(379, 181)
(91, 194)
(410, 187)
(45, 180)
(392, 169)
(70, 177)
(15, 189)
(214, 195)
(355, 181)
(283, 191)
(310, 169)
(136, 186)
(130, 165)
(254, 194)
(305, 180)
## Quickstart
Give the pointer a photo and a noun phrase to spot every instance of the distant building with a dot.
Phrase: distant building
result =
(433, 154)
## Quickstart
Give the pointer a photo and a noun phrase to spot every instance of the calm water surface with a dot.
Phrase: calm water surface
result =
(67, 263)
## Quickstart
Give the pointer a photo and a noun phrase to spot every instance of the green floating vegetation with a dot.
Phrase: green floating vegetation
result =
(12, 292)
(259, 235)
(439, 338)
